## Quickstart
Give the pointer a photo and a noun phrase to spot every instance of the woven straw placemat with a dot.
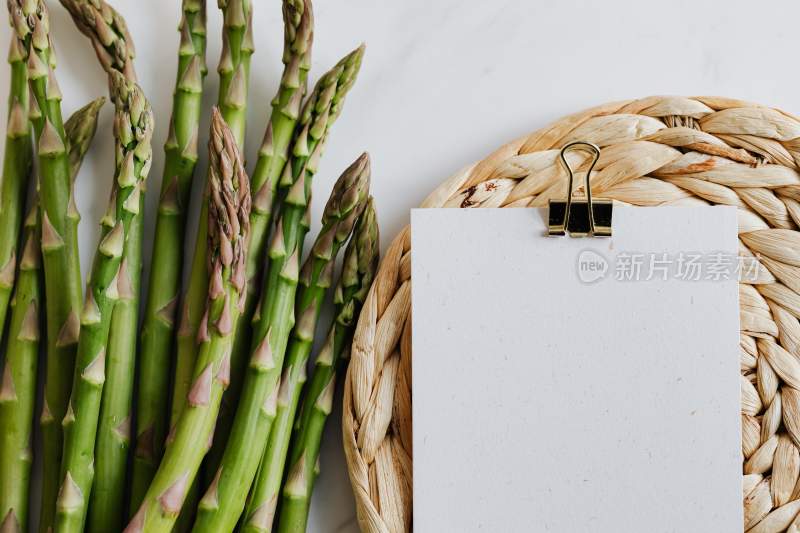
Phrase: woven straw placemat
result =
(655, 151)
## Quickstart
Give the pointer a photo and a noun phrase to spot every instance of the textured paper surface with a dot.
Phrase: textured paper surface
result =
(545, 403)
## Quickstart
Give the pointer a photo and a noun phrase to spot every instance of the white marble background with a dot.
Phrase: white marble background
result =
(443, 83)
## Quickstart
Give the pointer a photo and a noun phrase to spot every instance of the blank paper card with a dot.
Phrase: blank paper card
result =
(576, 385)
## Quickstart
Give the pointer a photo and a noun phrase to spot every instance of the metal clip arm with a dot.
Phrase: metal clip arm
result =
(580, 217)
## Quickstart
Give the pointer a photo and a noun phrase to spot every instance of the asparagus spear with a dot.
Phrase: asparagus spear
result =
(165, 270)
(107, 503)
(18, 386)
(298, 36)
(229, 208)
(115, 50)
(59, 236)
(108, 32)
(234, 72)
(224, 501)
(109, 282)
(18, 382)
(358, 271)
(234, 64)
(234, 75)
(17, 161)
(340, 215)
(80, 128)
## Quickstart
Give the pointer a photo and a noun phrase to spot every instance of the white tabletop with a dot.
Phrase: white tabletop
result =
(443, 83)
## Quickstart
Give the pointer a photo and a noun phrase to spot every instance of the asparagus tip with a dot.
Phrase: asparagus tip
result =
(368, 236)
(229, 207)
(354, 58)
(82, 124)
(109, 34)
(361, 256)
(349, 191)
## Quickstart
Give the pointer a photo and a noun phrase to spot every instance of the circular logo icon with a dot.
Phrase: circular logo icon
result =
(592, 266)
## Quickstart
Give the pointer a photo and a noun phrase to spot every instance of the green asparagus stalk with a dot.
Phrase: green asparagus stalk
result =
(224, 500)
(229, 209)
(18, 382)
(18, 386)
(107, 501)
(17, 161)
(115, 50)
(272, 157)
(165, 270)
(234, 64)
(340, 215)
(358, 271)
(60, 218)
(108, 32)
(109, 282)
(234, 73)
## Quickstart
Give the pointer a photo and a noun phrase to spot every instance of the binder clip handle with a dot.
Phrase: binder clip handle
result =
(580, 217)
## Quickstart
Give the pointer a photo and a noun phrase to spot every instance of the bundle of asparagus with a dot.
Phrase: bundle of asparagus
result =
(228, 194)
(115, 50)
(165, 274)
(225, 499)
(244, 307)
(272, 157)
(18, 385)
(341, 212)
(109, 282)
(358, 271)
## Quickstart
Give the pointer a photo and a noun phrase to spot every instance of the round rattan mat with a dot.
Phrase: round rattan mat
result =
(661, 150)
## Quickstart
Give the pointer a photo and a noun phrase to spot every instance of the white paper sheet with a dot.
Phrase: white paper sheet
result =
(558, 389)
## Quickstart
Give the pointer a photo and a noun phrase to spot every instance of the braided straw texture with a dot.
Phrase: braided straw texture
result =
(655, 151)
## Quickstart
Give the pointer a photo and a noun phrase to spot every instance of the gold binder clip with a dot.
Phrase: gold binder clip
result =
(581, 217)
